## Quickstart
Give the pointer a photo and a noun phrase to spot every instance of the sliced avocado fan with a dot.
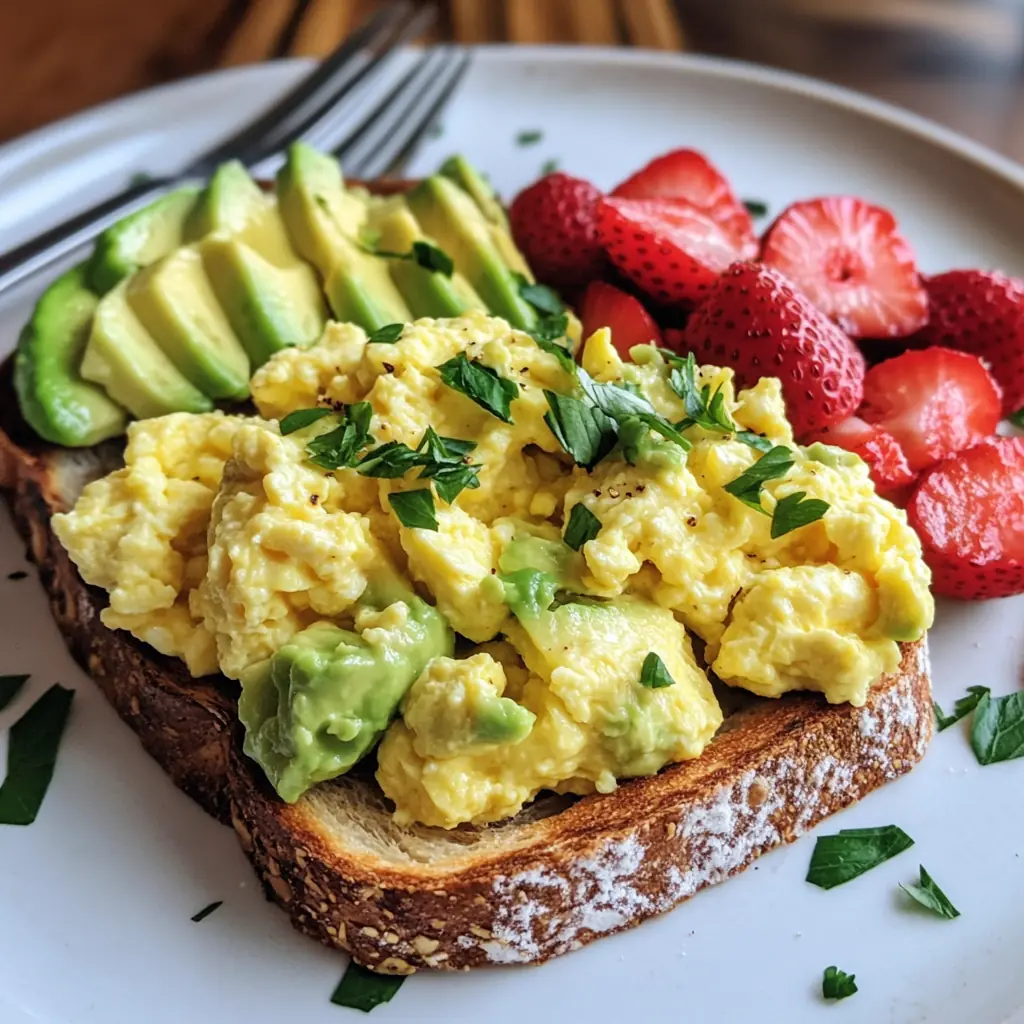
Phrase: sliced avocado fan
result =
(54, 399)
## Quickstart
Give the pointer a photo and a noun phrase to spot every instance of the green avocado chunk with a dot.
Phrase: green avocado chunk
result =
(426, 292)
(324, 221)
(271, 298)
(176, 304)
(140, 239)
(54, 399)
(126, 361)
(324, 699)
(451, 217)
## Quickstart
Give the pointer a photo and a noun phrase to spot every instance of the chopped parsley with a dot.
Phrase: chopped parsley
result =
(1017, 418)
(796, 510)
(581, 429)
(772, 465)
(341, 446)
(756, 207)
(548, 167)
(207, 910)
(18, 574)
(32, 755)
(839, 858)
(441, 459)
(360, 989)
(480, 384)
(302, 418)
(386, 335)
(961, 709)
(529, 137)
(837, 984)
(425, 254)
(583, 525)
(415, 509)
(543, 299)
(997, 732)
(653, 674)
(929, 895)
(10, 687)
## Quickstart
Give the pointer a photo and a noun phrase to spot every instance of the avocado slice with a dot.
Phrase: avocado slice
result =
(126, 361)
(323, 221)
(55, 401)
(271, 298)
(458, 169)
(448, 214)
(426, 292)
(140, 239)
(174, 301)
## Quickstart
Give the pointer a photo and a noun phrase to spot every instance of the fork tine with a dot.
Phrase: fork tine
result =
(296, 111)
(392, 135)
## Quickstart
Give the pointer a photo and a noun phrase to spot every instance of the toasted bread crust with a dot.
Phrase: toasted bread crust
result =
(603, 864)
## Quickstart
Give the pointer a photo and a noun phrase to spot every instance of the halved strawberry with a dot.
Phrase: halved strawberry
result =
(667, 248)
(604, 305)
(969, 513)
(554, 224)
(688, 175)
(878, 448)
(982, 313)
(756, 322)
(934, 401)
(850, 260)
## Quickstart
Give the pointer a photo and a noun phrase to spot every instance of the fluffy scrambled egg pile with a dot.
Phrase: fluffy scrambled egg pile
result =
(539, 666)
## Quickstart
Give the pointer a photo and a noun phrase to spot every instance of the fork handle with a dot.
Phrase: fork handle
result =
(64, 239)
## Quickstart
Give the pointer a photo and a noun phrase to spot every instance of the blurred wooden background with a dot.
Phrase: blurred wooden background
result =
(958, 61)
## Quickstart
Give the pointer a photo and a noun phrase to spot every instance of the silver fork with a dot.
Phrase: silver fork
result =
(363, 58)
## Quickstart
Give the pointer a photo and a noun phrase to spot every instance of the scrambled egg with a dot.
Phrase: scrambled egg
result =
(220, 542)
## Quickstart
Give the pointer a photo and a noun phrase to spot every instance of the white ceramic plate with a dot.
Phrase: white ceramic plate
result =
(96, 896)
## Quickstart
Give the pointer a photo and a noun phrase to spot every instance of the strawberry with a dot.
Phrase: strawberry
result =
(554, 224)
(688, 175)
(850, 260)
(968, 511)
(667, 248)
(982, 313)
(934, 401)
(604, 305)
(878, 448)
(756, 322)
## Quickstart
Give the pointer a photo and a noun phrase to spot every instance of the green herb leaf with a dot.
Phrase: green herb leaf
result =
(756, 207)
(529, 137)
(480, 384)
(543, 299)
(1017, 418)
(796, 510)
(548, 167)
(929, 895)
(961, 709)
(840, 858)
(444, 449)
(550, 328)
(451, 481)
(386, 335)
(997, 733)
(207, 910)
(560, 352)
(752, 440)
(18, 574)
(10, 687)
(389, 461)
(837, 984)
(360, 989)
(583, 431)
(653, 674)
(430, 257)
(528, 592)
(302, 418)
(414, 509)
(32, 755)
(340, 447)
(583, 525)
(702, 408)
(775, 463)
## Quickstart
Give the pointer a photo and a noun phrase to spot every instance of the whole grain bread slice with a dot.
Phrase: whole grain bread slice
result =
(558, 875)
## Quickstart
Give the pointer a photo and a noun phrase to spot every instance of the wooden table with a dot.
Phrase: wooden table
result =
(958, 61)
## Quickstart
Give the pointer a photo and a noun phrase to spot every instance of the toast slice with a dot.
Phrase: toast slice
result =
(561, 873)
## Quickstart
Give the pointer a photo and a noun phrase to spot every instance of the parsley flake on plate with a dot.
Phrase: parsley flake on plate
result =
(206, 911)
(929, 895)
(842, 857)
(961, 709)
(10, 687)
(837, 984)
(360, 989)
(997, 732)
